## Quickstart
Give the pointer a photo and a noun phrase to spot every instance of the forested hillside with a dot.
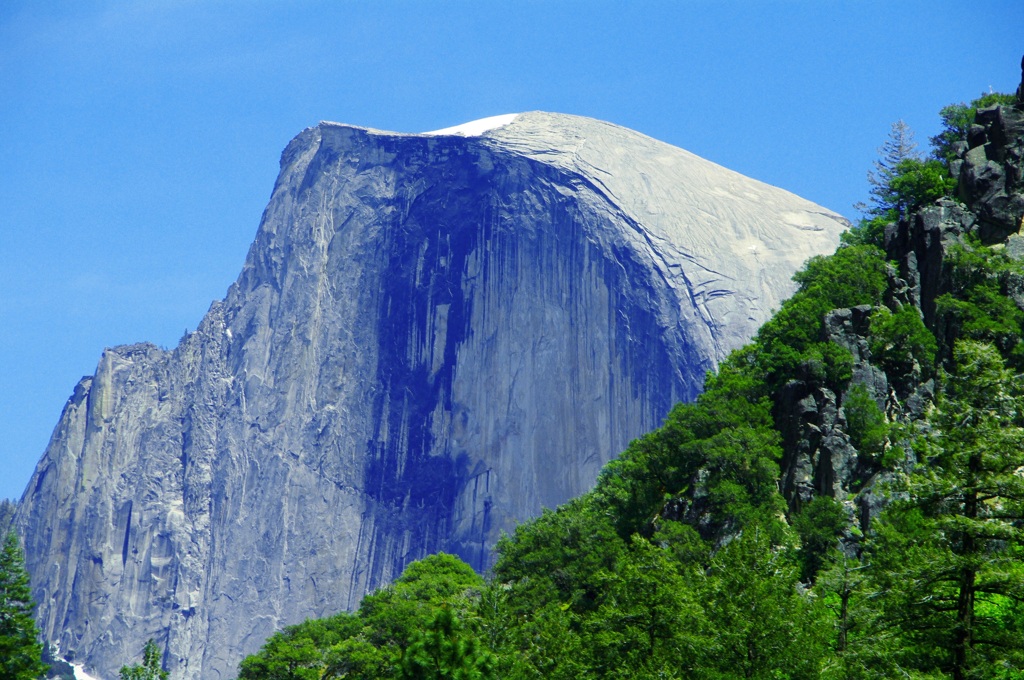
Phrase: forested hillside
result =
(844, 500)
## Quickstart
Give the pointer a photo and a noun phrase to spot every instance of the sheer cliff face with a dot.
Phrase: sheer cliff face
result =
(433, 337)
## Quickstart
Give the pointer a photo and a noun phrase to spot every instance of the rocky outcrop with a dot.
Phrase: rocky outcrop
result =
(1020, 88)
(820, 458)
(919, 245)
(990, 172)
(433, 337)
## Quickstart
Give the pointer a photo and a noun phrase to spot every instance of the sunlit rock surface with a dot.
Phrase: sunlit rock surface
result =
(433, 337)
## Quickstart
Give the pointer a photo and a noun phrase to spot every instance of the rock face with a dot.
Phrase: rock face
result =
(990, 172)
(433, 337)
(819, 456)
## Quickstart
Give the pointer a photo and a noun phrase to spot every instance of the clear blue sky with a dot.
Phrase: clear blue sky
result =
(139, 141)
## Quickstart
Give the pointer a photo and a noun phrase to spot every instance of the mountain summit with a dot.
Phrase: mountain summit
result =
(434, 336)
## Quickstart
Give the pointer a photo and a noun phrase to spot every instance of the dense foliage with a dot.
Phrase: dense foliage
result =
(20, 651)
(685, 560)
(978, 305)
(424, 625)
(150, 669)
(947, 553)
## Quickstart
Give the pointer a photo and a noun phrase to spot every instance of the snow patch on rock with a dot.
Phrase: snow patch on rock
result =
(476, 128)
(80, 673)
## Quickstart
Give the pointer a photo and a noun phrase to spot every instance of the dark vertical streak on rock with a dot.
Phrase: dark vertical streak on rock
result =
(127, 535)
(427, 248)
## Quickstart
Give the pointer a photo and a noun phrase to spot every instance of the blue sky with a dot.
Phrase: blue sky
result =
(139, 141)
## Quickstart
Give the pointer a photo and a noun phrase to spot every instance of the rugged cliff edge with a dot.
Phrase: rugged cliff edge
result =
(987, 210)
(433, 337)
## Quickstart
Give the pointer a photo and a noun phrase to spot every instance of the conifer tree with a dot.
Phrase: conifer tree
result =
(445, 650)
(898, 148)
(150, 669)
(760, 624)
(948, 554)
(20, 650)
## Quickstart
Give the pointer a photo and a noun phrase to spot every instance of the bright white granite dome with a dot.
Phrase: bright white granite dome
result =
(433, 337)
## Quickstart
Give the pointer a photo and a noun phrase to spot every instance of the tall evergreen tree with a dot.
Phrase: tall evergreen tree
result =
(948, 555)
(20, 650)
(761, 625)
(150, 669)
(863, 645)
(898, 148)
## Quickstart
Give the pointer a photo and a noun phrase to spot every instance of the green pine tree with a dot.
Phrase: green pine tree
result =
(898, 148)
(150, 669)
(445, 650)
(948, 553)
(761, 625)
(863, 646)
(20, 651)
